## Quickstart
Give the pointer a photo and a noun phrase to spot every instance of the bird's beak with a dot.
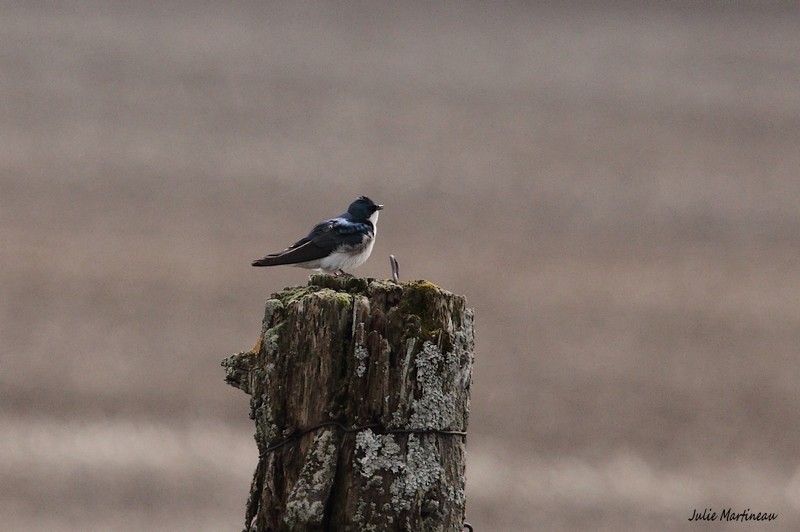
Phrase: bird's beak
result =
(380, 207)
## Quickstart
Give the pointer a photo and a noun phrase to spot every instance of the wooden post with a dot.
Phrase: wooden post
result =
(360, 395)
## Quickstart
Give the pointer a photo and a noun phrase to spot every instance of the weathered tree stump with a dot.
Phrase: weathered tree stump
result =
(360, 395)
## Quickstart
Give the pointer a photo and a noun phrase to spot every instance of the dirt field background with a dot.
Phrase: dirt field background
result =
(616, 189)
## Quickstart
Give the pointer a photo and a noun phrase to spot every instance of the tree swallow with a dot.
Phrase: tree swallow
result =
(333, 245)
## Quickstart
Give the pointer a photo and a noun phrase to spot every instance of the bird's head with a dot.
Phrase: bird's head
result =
(364, 208)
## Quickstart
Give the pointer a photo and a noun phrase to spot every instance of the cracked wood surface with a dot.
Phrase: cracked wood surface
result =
(360, 352)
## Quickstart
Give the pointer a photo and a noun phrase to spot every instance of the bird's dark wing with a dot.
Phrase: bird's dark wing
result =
(325, 238)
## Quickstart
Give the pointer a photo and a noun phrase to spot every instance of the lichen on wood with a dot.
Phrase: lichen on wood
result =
(392, 364)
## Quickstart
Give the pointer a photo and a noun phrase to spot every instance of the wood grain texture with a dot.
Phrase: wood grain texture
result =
(360, 352)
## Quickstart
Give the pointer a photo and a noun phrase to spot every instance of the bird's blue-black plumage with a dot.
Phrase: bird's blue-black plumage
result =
(348, 233)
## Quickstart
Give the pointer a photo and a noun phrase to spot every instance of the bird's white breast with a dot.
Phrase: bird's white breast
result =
(345, 260)
(348, 258)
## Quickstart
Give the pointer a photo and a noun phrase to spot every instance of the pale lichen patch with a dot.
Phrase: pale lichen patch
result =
(421, 474)
(434, 409)
(306, 503)
(361, 354)
(415, 473)
(379, 452)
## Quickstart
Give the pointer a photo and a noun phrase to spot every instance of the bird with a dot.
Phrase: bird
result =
(339, 243)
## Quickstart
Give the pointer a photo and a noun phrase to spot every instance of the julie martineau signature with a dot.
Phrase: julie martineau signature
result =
(729, 515)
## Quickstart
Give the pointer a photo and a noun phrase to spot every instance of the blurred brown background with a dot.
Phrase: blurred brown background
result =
(615, 188)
